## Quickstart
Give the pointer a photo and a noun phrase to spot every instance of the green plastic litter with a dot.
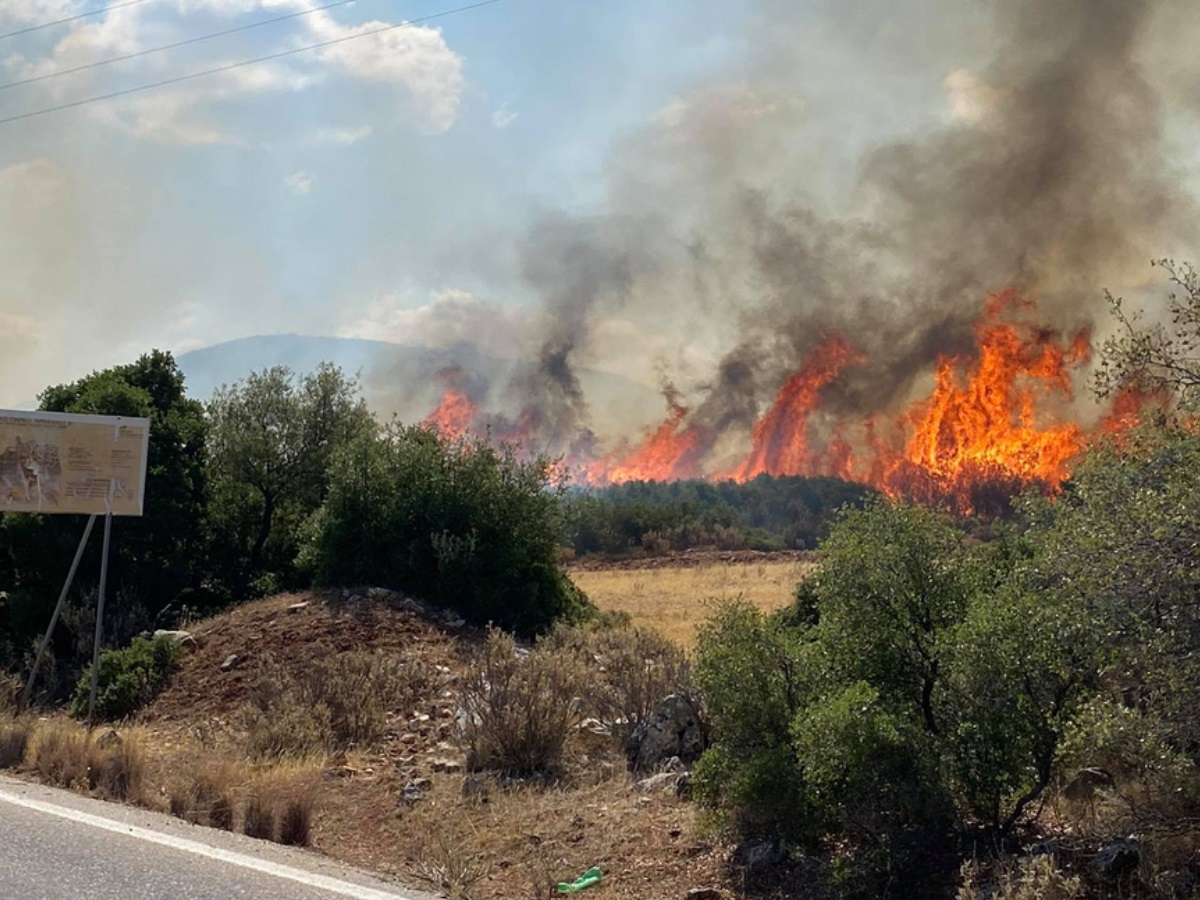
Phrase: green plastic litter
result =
(586, 880)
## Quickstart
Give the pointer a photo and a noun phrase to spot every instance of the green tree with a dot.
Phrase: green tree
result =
(154, 557)
(460, 523)
(273, 436)
(1159, 358)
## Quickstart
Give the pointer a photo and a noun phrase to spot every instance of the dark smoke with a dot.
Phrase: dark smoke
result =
(1054, 178)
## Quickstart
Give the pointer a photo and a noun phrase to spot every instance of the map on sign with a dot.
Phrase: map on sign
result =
(62, 463)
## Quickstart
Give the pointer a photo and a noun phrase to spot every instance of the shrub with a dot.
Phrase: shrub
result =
(60, 755)
(461, 523)
(630, 671)
(519, 711)
(116, 770)
(129, 678)
(66, 756)
(1036, 878)
(330, 703)
(14, 741)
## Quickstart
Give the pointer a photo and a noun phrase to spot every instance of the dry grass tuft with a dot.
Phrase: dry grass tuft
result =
(520, 710)
(207, 798)
(671, 600)
(116, 771)
(446, 863)
(60, 755)
(296, 818)
(1031, 878)
(14, 742)
(258, 819)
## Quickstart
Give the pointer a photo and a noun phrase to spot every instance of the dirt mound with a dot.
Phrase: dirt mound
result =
(292, 628)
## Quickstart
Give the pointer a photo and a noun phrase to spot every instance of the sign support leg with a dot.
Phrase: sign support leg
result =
(37, 662)
(99, 619)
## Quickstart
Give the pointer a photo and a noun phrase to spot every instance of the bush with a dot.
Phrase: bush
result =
(129, 678)
(519, 711)
(918, 685)
(460, 523)
(630, 671)
(330, 703)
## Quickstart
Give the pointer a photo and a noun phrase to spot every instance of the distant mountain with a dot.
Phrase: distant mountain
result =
(404, 379)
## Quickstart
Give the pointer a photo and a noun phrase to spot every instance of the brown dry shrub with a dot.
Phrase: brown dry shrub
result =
(117, 771)
(631, 671)
(206, 798)
(61, 755)
(332, 703)
(14, 742)
(519, 710)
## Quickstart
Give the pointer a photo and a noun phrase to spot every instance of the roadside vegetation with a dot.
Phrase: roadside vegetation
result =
(923, 708)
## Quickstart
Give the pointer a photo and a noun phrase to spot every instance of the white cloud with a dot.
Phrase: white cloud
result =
(299, 183)
(343, 137)
(413, 57)
(504, 116)
(451, 316)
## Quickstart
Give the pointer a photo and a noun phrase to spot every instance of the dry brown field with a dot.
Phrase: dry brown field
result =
(676, 599)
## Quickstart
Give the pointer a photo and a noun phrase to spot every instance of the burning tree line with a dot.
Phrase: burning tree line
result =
(996, 421)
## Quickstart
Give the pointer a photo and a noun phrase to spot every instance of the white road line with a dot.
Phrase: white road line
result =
(311, 879)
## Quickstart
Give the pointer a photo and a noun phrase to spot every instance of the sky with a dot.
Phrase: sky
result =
(398, 186)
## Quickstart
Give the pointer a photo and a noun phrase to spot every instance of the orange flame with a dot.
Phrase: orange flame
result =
(670, 452)
(780, 440)
(456, 412)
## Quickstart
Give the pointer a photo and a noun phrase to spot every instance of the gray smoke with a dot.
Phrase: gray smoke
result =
(1052, 176)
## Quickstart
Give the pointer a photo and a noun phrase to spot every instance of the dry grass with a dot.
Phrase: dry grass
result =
(14, 742)
(112, 768)
(672, 600)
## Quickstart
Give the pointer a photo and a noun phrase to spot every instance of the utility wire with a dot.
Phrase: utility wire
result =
(247, 62)
(75, 18)
(183, 43)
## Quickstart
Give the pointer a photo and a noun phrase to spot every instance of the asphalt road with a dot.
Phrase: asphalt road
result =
(58, 846)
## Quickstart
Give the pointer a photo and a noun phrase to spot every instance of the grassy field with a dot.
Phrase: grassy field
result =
(677, 600)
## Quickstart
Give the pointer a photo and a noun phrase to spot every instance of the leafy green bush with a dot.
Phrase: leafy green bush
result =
(460, 523)
(917, 686)
(129, 678)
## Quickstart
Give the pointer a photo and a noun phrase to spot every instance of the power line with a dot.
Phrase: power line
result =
(183, 43)
(247, 62)
(74, 18)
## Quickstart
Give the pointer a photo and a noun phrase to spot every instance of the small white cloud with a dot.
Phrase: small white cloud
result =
(504, 116)
(300, 183)
(343, 137)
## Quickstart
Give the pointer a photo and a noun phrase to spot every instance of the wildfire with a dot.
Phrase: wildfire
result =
(455, 414)
(996, 421)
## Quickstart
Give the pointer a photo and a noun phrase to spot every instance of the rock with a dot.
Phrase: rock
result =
(184, 639)
(230, 662)
(409, 605)
(449, 766)
(110, 738)
(1118, 857)
(453, 622)
(380, 593)
(703, 893)
(758, 856)
(411, 794)
(1178, 884)
(297, 607)
(673, 729)
(595, 726)
(674, 764)
(657, 782)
